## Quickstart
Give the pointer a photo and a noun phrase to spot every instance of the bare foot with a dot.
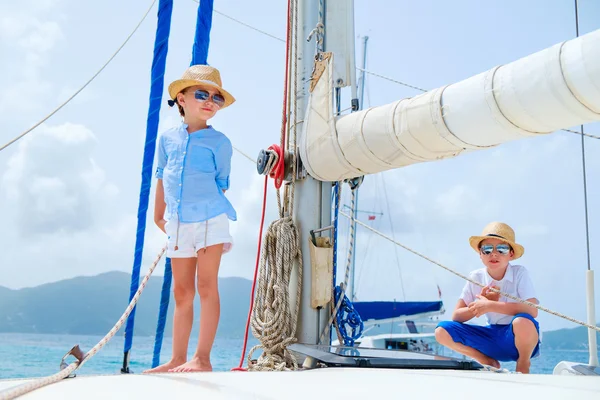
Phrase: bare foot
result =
(485, 360)
(196, 364)
(523, 366)
(165, 367)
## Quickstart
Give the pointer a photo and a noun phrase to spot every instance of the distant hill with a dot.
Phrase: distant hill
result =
(92, 305)
(568, 339)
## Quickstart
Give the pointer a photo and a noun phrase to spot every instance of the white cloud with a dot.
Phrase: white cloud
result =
(62, 212)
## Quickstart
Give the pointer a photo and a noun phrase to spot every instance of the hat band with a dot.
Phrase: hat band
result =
(494, 235)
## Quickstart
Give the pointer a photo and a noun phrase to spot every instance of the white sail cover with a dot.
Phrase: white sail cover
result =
(556, 88)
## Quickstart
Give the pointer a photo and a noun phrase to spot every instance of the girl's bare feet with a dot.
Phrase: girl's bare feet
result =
(196, 364)
(165, 367)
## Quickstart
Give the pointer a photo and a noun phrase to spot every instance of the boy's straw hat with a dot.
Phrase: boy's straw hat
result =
(498, 230)
(204, 75)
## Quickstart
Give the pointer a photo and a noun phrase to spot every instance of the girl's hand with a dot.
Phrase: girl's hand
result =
(161, 224)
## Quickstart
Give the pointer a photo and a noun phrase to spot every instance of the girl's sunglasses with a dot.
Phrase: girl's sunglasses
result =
(487, 249)
(203, 95)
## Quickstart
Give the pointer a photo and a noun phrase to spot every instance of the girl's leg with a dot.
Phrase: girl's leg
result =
(208, 289)
(184, 271)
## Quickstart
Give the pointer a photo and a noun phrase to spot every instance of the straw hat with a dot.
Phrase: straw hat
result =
(204, 75)
(498, 230)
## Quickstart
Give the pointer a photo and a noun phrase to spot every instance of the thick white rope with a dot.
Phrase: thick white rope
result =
(85, 85)
(20, 390)
(272, 321)
(596, 328)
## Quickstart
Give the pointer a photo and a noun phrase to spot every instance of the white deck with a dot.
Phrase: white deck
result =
(347, 383)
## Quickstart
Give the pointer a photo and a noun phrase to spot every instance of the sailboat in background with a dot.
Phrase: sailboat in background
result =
(487, 110)
(409, 325)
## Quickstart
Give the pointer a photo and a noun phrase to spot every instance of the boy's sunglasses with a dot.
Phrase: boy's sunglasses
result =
(487, 249)
(203, 95)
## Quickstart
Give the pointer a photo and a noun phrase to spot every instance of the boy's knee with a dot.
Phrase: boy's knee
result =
(524, 328)
(442, 335)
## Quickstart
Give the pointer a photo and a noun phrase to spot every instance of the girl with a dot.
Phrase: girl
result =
(194, 162)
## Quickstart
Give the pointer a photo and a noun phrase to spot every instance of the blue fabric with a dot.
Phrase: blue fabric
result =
(162, 315)
(379, 310)
(202, 37)
(161, 45)
(495, 341)
(195, 170)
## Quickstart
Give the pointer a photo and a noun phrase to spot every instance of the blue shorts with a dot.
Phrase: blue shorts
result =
(495, 341)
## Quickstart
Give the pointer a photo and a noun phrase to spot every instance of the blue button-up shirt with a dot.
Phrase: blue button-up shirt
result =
(195, 170)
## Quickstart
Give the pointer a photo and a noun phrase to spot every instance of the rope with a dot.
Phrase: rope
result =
(555, 313)
(337, 191)
(391, 79)
(582, 133)
(347, 318)
(260, 234)
(31, 386)
(584, 174)
(202, 36)
(393, 236)
(272, 322)
(159, 59)
(84, 86)
(245, 155)
(340, 297)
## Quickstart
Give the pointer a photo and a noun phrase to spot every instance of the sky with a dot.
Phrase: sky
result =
(69, 190)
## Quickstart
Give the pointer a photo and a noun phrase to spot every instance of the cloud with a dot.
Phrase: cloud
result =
(63, 216)
(28, 34)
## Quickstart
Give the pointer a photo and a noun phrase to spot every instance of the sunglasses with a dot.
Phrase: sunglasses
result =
(487, 249)
(203, 95)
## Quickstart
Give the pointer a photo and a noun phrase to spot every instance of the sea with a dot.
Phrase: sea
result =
(37, 355)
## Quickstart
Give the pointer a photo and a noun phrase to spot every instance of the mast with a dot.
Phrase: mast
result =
(312, 197)
(361, 99)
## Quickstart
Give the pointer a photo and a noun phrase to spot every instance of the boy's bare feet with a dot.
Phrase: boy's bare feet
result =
(485, 360)
(196, 364)
(165, 367)
(523, 366)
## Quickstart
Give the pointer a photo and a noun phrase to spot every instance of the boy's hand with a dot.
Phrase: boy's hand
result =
(480, 306)
(490, 295)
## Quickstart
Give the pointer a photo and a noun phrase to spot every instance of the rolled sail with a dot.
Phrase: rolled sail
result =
(556, 88)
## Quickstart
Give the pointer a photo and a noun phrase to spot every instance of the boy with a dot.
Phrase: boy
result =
(512, 333)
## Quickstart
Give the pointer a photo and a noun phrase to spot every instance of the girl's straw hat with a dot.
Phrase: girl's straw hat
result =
(203, 75)
(498, 230)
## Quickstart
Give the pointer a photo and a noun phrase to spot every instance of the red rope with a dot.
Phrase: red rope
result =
(260, 235)
(277, 173)
(285, 85)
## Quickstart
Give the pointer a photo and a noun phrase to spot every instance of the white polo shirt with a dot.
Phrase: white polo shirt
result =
(516, 282)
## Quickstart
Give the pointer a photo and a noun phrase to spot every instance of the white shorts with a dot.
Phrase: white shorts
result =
(185, 239)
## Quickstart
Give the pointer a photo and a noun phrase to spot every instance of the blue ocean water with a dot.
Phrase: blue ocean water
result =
(35, 355)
